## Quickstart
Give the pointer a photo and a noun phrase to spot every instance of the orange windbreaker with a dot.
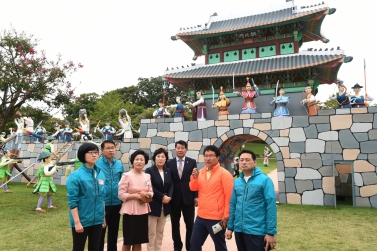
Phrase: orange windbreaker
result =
(214, 195)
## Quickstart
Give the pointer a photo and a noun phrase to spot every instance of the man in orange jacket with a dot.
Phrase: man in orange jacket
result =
(214, 185)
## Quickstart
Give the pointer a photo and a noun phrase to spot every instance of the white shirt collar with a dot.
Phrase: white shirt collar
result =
(183, 159)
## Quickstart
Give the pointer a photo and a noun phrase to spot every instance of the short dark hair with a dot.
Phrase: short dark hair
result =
(83, 149)
(158, 151)
(139, 152)
(181, 142)
(253, 156)
(107, 141)
(213, 149)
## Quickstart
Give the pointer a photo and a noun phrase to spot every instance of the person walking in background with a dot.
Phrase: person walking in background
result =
(86, 197)
(135, 190)
(252, 207)
(236, 168)
(113, 170)
(184, 200)
(214, 185)
(162, 193)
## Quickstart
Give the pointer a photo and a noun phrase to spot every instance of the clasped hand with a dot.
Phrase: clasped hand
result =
(144, 195)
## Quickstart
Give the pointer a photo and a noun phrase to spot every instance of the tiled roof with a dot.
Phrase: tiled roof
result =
(219, 24)
(257, 66)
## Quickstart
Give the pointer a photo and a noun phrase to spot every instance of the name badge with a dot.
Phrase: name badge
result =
(147, 183)
(101, 182)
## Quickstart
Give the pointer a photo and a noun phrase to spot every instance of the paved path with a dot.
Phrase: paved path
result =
(167, 242)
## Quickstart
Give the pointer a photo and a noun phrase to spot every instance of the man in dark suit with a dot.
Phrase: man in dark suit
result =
(183, 200)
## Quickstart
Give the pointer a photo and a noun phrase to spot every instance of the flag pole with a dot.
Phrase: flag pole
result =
(365, 79)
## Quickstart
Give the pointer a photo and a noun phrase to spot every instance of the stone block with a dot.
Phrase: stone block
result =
(244, 116)
(347, 140)
(368, 146)
(235, 124)
(372, 109)
(178, 119)
(224, 137)
(297, 135)
(329, 135)
(367, 191)
(372, 134)
(263, 126)
(230, 134)
(362, 118)
(328, 158)
(218, 142)
(373, 159)
(285, 152)
(280, 165)
(239, 131)
(269, 141)
(246, 131)
(359, 110)
(304, 185)
(358, 179)
(212, 132)
(307, 174)
(182, 136)
(293, 198)
(300, 121)
(282, 198)
(313, 197)
(326, 112)
(350, 154)
(233, 116)
(205, 124)
(194, 145)
(328, 185)
(190, 126)
(266, 115)
(311, 132)
(193, 154)
(362, 136)
(281, 176)
(274, 147)
(248, 123)
(362, 202)
(254, 132)
(297, 147)
(278, 156)
(357, 191)
(311, 160)
(290, 186)
(222, 123)
(258, 121)
(361, 127)
(290, 172)
(222, 117)
(339, 122)
(262, 136)
(317, 184)
(373, 201)
(281, 122)
(323, 127)
(281, 141)
(151, 133)
(315, 145)
(369, 178)
(195, 136)
(272, 133)
(329, 200)
(343, 111)
(157, 140)
(326, 171)
(176, 127)
(362, 156)
(319, 119)
(163, 127)
(333, 147)
(166, 134)
(292, 163)
(255, 116)
(281, 187)
(284, 133)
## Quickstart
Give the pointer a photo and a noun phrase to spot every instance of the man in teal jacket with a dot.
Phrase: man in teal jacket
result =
(113, 170)
(252, 207)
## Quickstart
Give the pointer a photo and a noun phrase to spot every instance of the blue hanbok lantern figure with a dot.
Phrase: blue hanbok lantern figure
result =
(161, 112)
(66, 132)
(108, 130)
(358, 100)
(342, 97)
(281, 102)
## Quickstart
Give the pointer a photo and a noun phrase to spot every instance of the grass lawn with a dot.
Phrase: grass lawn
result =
(300, 227)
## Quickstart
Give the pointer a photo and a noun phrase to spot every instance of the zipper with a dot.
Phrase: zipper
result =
(111, 185)
(244, 195)
(95, 199)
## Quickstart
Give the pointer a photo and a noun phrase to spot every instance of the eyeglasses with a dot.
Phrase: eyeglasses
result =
(93, 152)
(109, 148)
(209, 156)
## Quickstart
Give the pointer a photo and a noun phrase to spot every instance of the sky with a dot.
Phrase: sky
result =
(119, 41)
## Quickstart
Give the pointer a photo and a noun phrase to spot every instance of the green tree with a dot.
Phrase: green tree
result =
(27, 76)
(84, 101)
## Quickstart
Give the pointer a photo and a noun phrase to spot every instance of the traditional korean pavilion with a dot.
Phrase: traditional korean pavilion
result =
(264, 46)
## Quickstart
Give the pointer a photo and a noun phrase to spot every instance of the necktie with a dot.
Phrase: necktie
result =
(180, 169)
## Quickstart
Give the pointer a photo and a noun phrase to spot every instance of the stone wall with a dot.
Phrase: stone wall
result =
(305, 148)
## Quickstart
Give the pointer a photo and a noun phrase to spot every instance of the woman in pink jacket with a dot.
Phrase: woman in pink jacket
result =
(135, 189)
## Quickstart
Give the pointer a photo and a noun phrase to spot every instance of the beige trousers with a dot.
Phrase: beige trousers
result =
(156, 227)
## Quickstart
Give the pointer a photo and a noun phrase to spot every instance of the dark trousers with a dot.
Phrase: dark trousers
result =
(93, 233)
(112, 221)
(249, 242)
(175, 217)
(202, 228)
